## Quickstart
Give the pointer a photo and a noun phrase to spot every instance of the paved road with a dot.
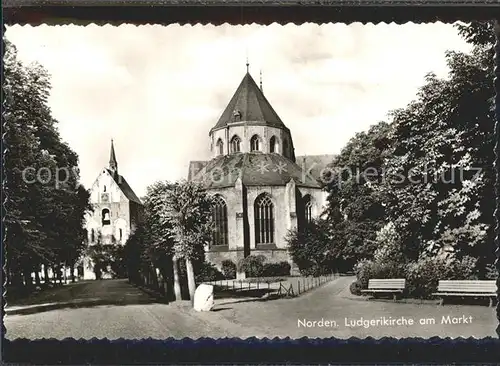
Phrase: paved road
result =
(115, 309)
(111, 309)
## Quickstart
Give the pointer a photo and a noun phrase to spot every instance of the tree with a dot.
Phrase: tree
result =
(44, 218)
(442, 148)
(312, 249)
(159, 247)
(189, 214)
(355, 204)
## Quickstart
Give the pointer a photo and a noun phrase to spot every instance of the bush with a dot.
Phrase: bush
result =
(356, 288)
(310, 248)
(465, 269)
(389, 246)
(276, 269)
(423, 276)
(208, 272)
(228, 269)
(252, 265)
(366, 270)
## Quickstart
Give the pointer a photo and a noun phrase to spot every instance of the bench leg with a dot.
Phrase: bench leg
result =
(394, 297)
(442, 301)
(491, 302)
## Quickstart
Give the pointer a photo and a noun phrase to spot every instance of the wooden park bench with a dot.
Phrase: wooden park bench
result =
(470, 288)
(394, 286)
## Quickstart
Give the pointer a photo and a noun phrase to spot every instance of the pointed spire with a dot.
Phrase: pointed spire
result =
(113, 164)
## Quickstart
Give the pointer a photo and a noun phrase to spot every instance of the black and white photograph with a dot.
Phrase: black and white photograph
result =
(313, 180)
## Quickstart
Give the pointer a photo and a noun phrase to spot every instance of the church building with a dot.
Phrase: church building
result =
(261, 188)
(117, 210)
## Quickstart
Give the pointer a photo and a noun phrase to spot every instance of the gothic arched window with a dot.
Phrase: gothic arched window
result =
(106, 217)
(307, 209)
(235, 144)
(92, 235)
(273, 144)
(220, 147)
(219, 215)
(264, 220)
(255, 143)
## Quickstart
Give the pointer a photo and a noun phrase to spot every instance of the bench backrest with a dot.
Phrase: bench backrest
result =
(478, 286)
(389, 284)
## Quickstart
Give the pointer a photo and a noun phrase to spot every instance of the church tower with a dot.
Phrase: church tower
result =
(261, 189)
(116, 210)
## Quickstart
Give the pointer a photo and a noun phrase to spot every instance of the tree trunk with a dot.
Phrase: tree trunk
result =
(37, 276)
(46, 274)
(72, 273)
(190, 277)
(177, 285)
(27, 278)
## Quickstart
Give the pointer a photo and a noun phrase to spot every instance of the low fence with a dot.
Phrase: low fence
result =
(285, 287)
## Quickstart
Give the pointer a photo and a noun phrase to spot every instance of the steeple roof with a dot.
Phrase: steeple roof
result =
(113, 164)
(249, 104)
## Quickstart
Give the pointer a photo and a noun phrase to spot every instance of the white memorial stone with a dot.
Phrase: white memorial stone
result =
(203, 298)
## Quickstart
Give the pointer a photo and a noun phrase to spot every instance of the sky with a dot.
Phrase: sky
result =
(157, 90)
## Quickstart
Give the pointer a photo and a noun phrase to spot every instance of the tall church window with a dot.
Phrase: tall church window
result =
(219, 215)
(235, 144)
(121, 235)
(307, 209)
(104, 188)
(92, 235)
(273, 144)
(264, 220)
(106, 217)
(220, 147)
(254, 143)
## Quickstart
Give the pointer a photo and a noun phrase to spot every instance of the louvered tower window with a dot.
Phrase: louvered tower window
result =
(264, 220)
(272, 145)
(255, 143)
(220, 147)
(235, 144)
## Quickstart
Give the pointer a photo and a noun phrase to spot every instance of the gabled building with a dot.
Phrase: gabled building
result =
(117, 210)
(261, 188)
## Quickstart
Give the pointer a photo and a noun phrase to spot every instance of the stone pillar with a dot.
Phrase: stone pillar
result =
(239, 244)
(291, 205)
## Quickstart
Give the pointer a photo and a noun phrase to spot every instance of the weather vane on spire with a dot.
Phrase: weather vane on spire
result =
(248, 64)
(262, 90)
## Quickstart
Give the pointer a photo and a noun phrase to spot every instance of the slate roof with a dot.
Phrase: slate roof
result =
(252, 106)
(125, 187)
(255, 169)
(195, 167)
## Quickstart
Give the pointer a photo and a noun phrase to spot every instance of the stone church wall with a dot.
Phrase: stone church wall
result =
(245, 133)
(281, 215)
(233, 199)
